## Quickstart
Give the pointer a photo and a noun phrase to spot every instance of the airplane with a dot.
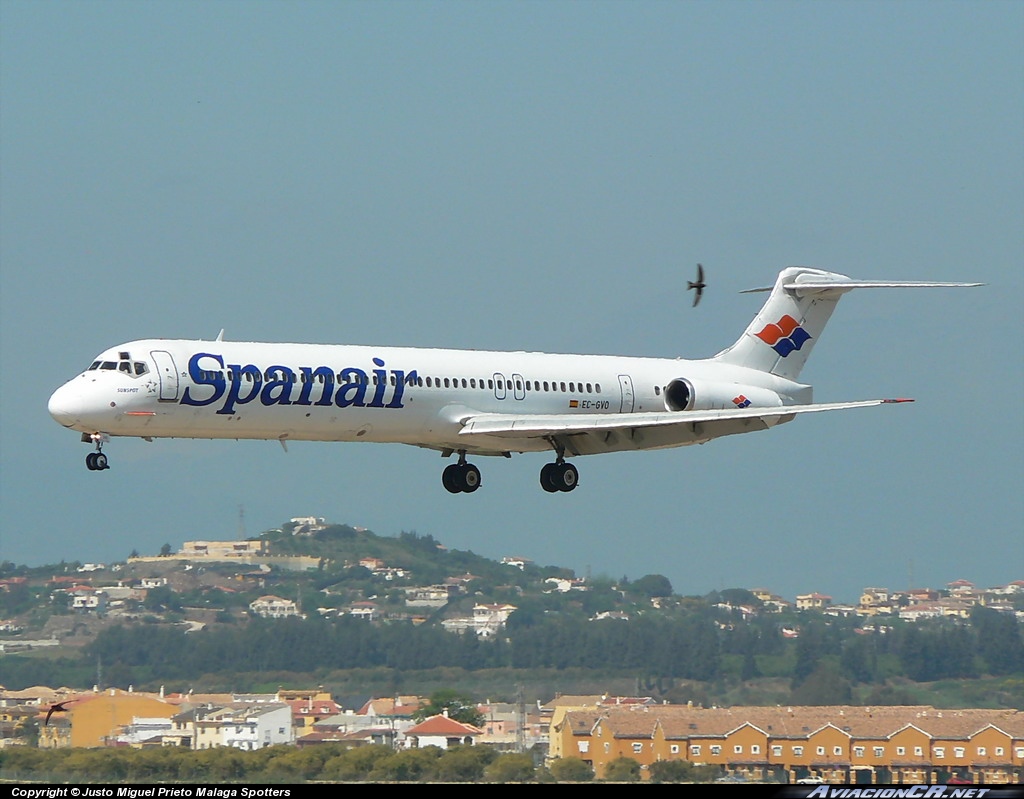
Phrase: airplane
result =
(465, 402)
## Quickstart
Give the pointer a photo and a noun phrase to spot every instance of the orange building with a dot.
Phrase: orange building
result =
(93, 719)
(838, 744)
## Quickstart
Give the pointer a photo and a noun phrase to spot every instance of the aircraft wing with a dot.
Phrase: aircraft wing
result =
(512, 425)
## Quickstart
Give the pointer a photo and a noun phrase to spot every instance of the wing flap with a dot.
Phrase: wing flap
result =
(541, 425)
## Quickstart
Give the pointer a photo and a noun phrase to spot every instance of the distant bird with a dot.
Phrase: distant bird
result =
(697, 284)
(56, 708)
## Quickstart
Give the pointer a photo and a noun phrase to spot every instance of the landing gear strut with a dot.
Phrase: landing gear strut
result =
(461, 477)
(559, 476)
(96, 461)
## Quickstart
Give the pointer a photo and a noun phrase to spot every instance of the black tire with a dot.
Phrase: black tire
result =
(547, 477)
(90, 461)
(450, 478)
(101, 461)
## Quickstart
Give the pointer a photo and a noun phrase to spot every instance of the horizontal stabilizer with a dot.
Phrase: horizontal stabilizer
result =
(846, 284)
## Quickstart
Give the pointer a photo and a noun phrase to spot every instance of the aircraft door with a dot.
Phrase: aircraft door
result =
(168, 374)
(518, 387)
(499, 386)
(626, 388)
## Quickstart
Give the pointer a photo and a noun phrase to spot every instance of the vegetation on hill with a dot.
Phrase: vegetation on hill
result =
(193, 629)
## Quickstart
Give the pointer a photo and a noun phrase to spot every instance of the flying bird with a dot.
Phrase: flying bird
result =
(697, 284)
(56, 708)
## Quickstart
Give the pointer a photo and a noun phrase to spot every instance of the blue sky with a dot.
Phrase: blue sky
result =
(540, 176)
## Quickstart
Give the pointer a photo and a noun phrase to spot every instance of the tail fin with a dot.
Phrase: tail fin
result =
(780, 338)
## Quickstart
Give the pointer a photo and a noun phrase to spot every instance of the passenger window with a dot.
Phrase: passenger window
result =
(463, 382)
(545, 385)
(446, 383)
(589, 389)
(563, 386)
(597, 388)
(472, 382)
(572, 388)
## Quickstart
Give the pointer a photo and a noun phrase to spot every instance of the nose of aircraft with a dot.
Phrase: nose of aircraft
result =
(66, 404)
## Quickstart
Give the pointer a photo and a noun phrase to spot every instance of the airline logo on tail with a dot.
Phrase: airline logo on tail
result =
(785, 336)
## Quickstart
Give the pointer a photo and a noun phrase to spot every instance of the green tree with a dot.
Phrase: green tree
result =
(682, 771)
(999, 640)
(622, 769)
(458, 706)
(823, 686)
(571, 769)
(510, 768)
(356, 764)
(409, 765)
(652, 585)
(464, 763)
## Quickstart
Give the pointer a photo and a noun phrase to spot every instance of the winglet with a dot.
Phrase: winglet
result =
(898, 399)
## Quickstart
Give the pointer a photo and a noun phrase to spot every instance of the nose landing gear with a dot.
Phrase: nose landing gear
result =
(96, 461)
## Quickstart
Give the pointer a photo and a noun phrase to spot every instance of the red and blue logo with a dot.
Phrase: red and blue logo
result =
(741, 401)
(785, 336)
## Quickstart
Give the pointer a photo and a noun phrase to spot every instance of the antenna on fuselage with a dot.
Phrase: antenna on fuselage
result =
(220, 335)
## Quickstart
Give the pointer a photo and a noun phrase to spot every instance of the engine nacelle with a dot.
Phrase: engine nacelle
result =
(685, 394)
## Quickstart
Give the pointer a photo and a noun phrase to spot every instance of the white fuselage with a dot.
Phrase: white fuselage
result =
(224, 389)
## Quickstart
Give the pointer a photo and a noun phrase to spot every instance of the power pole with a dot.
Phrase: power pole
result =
(520, 720)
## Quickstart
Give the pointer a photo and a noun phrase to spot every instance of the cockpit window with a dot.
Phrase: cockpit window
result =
(108, 365)
(95, 365)
(124, 366)
(140, 368)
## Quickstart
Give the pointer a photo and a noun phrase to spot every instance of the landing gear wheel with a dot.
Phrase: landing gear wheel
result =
(547, 477)
(450, 478)
(90, 461)
(558, 477)
(566, 477)
(469, 478)
(101, 461)
(458, 478)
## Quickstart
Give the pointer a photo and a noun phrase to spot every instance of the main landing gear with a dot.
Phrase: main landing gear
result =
(558, 476)
(461, 477)
(464, 478)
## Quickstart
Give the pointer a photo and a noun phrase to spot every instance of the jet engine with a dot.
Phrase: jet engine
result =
(686, 394)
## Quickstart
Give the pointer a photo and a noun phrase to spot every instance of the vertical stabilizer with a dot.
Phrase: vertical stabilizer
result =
(785, 330)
